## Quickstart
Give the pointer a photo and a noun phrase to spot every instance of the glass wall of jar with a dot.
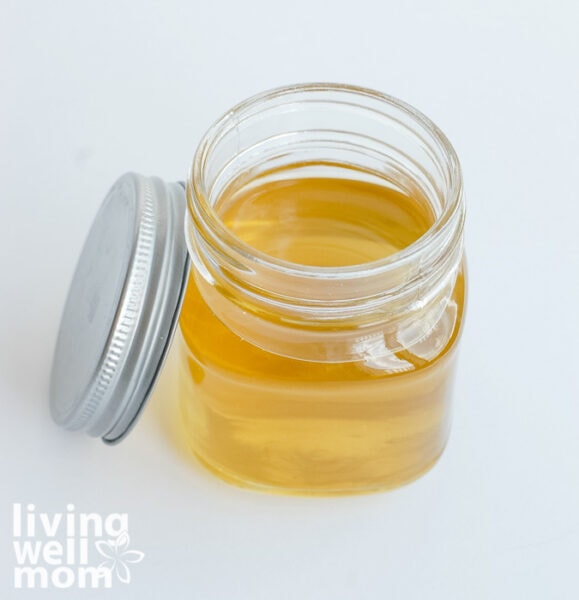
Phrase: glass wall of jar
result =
(320, 326)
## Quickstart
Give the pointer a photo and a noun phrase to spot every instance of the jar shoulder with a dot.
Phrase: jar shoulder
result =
(208, 342)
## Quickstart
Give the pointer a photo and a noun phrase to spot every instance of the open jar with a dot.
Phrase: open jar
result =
(319, 325)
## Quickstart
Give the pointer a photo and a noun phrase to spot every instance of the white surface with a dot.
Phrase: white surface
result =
(90, 90)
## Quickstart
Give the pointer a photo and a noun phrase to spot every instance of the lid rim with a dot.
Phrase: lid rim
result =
(127, 416)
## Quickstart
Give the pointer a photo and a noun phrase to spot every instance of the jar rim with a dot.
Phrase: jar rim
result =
(439, 229)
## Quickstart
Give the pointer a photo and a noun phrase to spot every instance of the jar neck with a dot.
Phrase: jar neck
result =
(326, 313)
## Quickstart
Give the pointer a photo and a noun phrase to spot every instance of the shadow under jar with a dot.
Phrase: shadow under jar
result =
(320, 325)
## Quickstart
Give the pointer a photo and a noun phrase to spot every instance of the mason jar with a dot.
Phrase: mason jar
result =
(319, 330)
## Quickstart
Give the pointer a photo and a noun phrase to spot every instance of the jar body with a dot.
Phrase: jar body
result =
(320, 380)
(262, 420)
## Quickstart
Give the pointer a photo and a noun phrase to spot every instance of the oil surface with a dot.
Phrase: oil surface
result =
(323, 221)
(296, 426)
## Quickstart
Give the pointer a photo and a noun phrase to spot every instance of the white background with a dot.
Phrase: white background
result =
(89, 90)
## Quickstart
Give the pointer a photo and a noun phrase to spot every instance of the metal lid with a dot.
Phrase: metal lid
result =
(122, 308)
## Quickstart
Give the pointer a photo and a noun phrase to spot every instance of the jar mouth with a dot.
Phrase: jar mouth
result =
(447, 222)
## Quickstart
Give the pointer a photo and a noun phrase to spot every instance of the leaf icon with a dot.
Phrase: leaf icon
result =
(118, 557)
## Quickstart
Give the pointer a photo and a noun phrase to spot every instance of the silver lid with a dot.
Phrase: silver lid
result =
(122, 308)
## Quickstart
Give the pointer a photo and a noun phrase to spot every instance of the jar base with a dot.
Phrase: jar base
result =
(236, 480)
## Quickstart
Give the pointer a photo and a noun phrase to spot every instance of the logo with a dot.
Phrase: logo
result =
(71, 549)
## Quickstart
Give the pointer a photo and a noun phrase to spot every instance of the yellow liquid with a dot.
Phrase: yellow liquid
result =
(296, 426)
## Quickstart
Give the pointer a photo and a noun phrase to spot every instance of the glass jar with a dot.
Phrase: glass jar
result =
(309, 376)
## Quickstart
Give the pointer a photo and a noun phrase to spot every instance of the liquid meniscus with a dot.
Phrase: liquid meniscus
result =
(325, 222)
